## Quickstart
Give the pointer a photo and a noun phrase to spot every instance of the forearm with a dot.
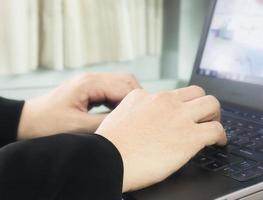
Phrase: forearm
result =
(10, 112)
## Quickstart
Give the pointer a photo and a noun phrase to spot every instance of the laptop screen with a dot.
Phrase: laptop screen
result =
(234, 47)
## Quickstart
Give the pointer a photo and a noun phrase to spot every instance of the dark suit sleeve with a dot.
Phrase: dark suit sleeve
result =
(60, 167)
(10, 111)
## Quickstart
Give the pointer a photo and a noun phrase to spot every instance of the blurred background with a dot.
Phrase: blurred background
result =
(44, 42)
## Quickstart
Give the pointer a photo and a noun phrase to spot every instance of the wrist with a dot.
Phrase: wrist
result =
(29, 125)
(24, 129)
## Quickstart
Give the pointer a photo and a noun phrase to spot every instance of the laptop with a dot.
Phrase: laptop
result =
(229, 65)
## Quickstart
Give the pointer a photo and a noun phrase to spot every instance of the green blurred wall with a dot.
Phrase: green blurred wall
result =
(183, 24)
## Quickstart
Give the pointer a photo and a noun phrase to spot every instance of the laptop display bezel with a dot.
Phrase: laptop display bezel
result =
(240, 93)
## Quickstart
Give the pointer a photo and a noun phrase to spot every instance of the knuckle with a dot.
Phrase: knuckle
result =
(218, 127)
(214, 101)
(129, 79)
(162, 96)
(199, 89)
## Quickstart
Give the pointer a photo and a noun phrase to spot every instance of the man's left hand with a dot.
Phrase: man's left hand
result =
(65, 109)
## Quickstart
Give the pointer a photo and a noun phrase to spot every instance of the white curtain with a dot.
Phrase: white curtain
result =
(58, 34)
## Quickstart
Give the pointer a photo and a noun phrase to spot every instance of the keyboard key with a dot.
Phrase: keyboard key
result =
(231, 139)
(260, 131)
(251, 127)
(229, 122)
(228, 149)
(253, 116)
(240, 141)
(249, 134)
(227, 158)
(245, 165)
(230, 128)
(228, 171)
(259, 169)
(245, 114)
(248, 153)
(208, 151)
(252, 145)
(201, 160)
(258, 139)
(231, 135)
(240, 125)
(260, 149)
(228, 110)
(245, 175)
(215, 165)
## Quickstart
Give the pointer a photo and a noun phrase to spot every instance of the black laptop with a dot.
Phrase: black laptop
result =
(229, 65)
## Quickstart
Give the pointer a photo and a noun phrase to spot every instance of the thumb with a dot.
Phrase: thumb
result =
(89, 123)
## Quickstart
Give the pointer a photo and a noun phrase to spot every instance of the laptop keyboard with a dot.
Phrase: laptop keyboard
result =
(242, 158)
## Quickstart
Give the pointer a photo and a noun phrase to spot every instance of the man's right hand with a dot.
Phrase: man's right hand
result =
(157, 134)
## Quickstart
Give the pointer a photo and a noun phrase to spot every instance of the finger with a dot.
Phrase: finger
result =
(216, 117)
(128, 79)
(189, 93)
(89, 123)
(108, 88)
(119, 87)
(204, 109)
(212, 133)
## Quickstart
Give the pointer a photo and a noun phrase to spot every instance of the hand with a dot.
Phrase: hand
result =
(65, 109)
(157, 134)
